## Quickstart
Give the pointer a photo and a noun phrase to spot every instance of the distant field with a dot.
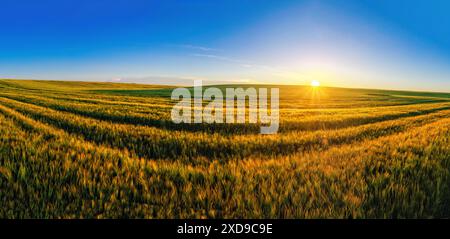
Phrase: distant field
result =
(105, 150)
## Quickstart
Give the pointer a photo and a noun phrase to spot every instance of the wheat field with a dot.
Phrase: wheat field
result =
(109, 150)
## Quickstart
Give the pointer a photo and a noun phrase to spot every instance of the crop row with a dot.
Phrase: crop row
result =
(291, 120)
(46, 173)
(157, 143)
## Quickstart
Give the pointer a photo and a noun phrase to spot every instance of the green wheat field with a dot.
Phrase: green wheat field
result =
(110, 150)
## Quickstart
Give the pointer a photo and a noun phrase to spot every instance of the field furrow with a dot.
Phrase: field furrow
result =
(300, 120)
(162, 144)
(88, 173)
(103, 150)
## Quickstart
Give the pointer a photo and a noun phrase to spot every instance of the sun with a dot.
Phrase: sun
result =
(315, 83)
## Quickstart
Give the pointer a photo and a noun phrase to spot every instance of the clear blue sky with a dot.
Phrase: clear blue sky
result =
(376, 44)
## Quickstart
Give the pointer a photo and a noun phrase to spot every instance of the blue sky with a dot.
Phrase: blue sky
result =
(372, 44)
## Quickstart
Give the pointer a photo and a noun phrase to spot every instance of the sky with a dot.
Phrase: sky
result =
(359, 44)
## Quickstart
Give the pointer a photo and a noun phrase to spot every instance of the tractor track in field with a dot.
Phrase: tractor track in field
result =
(225, 129)
(284, 144)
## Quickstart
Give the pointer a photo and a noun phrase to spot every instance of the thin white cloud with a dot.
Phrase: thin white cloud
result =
(227, 59)
(200, 48)
(158, 80)
(276, 71)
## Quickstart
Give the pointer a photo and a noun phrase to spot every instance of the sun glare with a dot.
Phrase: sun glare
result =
(315, 83)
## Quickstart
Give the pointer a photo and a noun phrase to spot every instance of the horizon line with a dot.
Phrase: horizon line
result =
(223, 84)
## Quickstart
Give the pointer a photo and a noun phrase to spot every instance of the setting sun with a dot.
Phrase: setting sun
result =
(315, 83)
